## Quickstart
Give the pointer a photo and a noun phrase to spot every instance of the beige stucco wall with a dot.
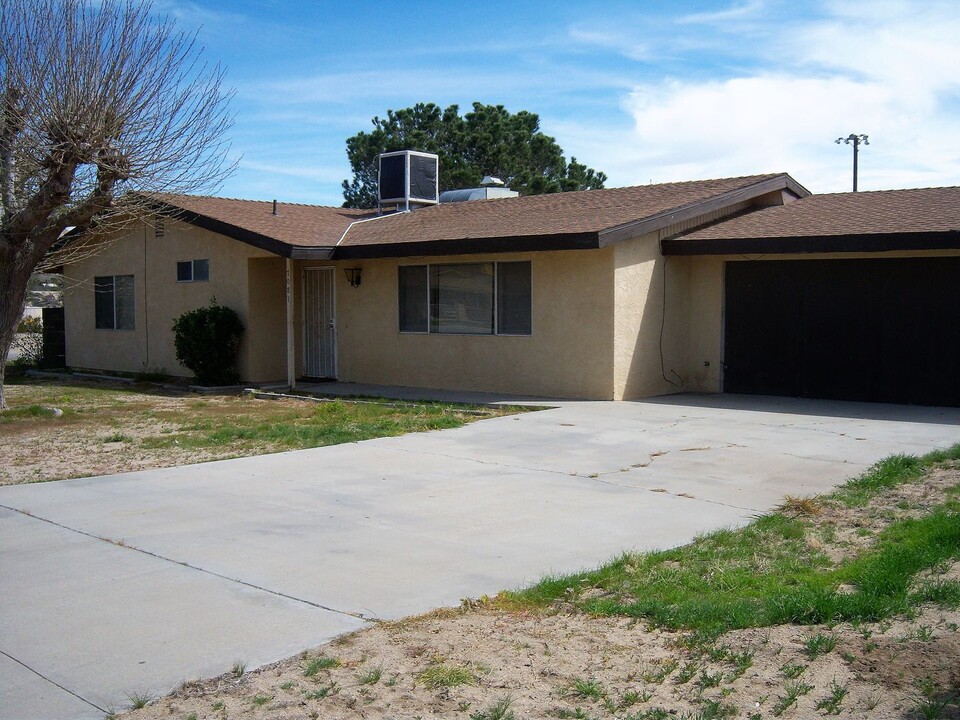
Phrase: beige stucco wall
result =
(159, 298)
(705, 318)
(568, 354)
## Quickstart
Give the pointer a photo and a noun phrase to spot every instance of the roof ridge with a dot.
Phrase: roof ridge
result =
(887, 190)
(250, 200)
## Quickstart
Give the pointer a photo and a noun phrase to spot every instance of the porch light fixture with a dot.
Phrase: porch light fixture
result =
(353, 276)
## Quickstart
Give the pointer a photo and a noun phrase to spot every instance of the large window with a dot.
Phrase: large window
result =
(113, 302)
(466, 298)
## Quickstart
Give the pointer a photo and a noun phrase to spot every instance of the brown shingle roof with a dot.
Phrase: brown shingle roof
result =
(927, 210)
(575, 213)
(563, 220)
(293, 225)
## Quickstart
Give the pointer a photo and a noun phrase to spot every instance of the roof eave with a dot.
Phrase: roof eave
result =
(683, 213)
(853, 243)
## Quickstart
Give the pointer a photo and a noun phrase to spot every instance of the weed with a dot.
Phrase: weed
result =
(392, 680)
(260, 700)
(714, 710)
(322, 692)
(217, 706)
(792, 690)
(440, 675)
(792, 671)
(315, 665)
(139, 700)
(287, 685)
(800, 506)
(742, 661)
(117, 437)
(191, 716)
(371, 676)
(656, 672)
(657, 713)
(632, 697)
(871, 701)
(500, 710)
(708, 681)
(686, 673)
(575, 714)
(924, 633)
(820, 644)
(238, 669)
(831, 704)
(587, 689)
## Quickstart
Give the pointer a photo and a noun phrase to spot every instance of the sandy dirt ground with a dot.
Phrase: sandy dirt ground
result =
(479, 663)
(35, 452)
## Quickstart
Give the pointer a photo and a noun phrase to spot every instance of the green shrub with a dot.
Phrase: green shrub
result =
(207, 340)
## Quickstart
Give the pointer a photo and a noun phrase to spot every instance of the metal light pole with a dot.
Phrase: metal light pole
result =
(856, 141)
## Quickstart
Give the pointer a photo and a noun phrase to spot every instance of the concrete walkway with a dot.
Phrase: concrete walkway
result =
(131, 584)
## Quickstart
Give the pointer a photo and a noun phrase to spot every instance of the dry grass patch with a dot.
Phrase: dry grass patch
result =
(106, 429)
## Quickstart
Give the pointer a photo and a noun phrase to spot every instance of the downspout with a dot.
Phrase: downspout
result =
(291, 360)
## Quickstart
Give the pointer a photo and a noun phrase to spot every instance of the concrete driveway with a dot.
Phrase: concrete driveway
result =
(130, 584)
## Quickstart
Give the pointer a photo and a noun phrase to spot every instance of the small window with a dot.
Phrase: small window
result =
(114, 302)
(193, 270)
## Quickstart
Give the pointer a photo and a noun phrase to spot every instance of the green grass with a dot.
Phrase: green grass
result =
(767, 574)
(440, 675)
(28, 412)
(315, 665)
(500, 710)
(371, 676)
(139, 700)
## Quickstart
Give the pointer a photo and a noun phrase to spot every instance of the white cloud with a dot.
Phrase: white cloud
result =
(889, 72)
(735, 12)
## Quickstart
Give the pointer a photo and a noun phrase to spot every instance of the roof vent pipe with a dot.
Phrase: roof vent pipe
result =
(274, 207)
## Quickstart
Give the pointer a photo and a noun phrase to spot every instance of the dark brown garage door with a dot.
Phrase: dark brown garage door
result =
(873, 330)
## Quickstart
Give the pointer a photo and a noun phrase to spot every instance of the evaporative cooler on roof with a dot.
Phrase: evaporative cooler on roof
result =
(408, 179)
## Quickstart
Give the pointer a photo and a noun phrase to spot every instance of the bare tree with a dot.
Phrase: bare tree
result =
(102, 103)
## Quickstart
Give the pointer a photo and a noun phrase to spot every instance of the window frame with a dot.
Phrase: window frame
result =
(495, 299)
(100, 292)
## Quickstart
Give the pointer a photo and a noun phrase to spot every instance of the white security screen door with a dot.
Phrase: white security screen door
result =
(319, 324)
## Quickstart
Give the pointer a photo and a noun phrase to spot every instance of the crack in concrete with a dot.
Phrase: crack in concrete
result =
(53, 682)
(238, 581)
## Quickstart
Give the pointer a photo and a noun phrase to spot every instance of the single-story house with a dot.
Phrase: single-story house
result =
(747, 284)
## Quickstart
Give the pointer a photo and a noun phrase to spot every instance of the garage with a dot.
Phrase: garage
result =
(843, 296)
(875, 330)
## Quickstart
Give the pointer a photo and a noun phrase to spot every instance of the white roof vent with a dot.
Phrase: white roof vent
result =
(490, 181)
(408, 178)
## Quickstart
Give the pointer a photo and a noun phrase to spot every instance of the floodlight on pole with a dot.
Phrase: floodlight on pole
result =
(856, 141)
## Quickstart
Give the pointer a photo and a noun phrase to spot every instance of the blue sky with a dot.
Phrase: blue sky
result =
(645, 91)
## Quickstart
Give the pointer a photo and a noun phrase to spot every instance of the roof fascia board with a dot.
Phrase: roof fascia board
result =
(683, 213)
(885, 242)
(301, 252)
(471, 246)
